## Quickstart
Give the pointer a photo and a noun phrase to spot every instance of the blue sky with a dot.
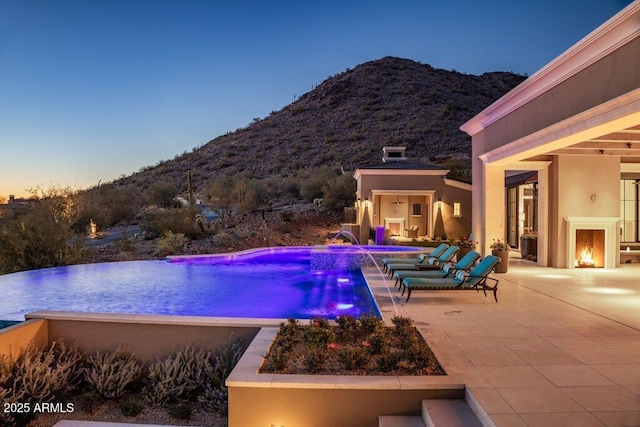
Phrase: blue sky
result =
(94, 89)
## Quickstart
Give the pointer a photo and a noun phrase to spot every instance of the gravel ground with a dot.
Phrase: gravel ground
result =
(110, 412)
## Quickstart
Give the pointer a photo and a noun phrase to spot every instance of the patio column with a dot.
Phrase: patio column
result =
(543, 215)
(491, 206)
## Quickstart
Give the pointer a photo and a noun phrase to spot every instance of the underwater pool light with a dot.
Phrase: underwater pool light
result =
(342, 306)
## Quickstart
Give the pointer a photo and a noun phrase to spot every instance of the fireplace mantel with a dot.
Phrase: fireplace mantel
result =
(610, 227)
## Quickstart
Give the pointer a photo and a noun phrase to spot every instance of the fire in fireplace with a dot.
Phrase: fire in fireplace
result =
(590, 248)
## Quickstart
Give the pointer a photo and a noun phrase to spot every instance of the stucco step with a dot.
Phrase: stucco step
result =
(400, 421)
(448, 413)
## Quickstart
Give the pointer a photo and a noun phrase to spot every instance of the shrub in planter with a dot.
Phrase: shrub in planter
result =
(181, 376)
(347, 328)
(37, 376)
(371, 324)
(353, 357)
(369, 349)
(112, 374)
(315, 359)
(319, 333)
(216, 394)
(41, 375)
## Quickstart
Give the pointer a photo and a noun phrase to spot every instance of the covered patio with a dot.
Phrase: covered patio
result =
(576, 122)
(560, 348)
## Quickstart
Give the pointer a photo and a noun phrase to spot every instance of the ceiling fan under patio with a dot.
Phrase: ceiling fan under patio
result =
(397, 202)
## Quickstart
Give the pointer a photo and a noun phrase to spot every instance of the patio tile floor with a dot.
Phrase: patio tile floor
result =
(558, 349)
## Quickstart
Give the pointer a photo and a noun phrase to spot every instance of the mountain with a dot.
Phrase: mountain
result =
(344, 122)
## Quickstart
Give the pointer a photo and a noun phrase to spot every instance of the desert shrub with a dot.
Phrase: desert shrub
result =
(107, 205)
(41, 375)
(216, 394)
(315, 359)
(248, 194)
(8, 394)
(158, 221)
(181, 376)
(338, 192)
(7, 397)
(126, 244)
(162, 194)
(287, 215)
(171, 243)
(319, 333)
(347, 328)
(276, 359)
(112, 374)
(41, 235)
(316, 178)
(363, 345)
(388, 359)
(371, 324)
(243, 233)
(221, 240)
(353, 357)
(403, 326)
(239, 193)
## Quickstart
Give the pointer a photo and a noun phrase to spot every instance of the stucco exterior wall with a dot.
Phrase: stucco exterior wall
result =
(456, 227)
(399, 182)
(301, 407)
(612, 76)
(432, 184)
(14, 339)
(147, 336)
(574, 179)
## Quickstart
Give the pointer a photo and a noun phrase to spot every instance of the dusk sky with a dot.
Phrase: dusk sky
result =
(94, 89)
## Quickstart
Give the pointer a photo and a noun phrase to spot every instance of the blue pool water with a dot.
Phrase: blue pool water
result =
(275, 283)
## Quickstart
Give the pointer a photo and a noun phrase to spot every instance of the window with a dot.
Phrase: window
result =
(629, 210)
(457, 210)
(417, 209)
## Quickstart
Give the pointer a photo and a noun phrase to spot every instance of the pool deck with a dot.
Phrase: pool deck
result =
(560, 348)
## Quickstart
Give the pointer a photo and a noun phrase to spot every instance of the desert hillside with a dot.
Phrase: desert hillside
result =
(344, 122)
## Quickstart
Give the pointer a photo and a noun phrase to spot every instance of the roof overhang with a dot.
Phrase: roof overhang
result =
(610, 117)
(400, 172)
(608, 37)
(458, 184)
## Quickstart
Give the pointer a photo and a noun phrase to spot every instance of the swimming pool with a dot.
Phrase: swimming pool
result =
(271, 283)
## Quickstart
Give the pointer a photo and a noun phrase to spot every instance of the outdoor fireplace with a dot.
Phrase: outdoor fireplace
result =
(591, 242)
(394, 225)
(589, 248)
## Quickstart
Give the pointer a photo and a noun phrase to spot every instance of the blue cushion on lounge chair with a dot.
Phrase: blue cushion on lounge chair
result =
(474, 279)
(448, 269)
(433, 254)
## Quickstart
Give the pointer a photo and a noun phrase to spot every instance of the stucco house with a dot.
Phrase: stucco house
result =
(410, 200)
(575, 124)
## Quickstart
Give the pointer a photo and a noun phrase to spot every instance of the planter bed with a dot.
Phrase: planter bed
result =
(345, 400)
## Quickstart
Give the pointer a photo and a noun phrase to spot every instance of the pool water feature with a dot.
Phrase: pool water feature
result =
(269, 283)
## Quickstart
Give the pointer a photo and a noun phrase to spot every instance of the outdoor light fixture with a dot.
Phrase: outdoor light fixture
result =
(457, 209)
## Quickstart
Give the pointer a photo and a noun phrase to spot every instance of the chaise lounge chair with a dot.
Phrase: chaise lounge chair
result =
(463, 280)
(446, 270)
(416, 260)
(429, 264)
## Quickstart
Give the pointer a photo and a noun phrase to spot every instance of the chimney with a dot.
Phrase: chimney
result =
(393, 154)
